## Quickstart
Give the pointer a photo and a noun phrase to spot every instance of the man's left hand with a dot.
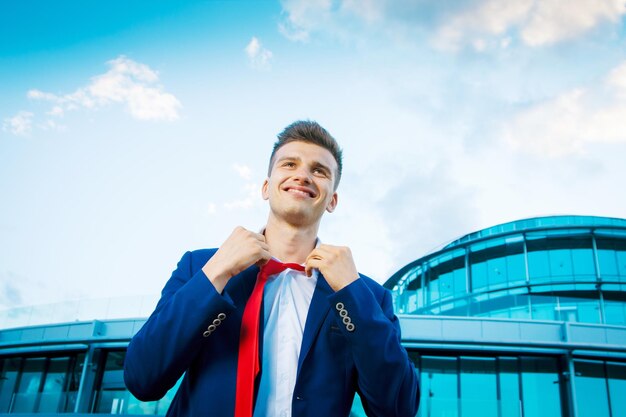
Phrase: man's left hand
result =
(335, 263)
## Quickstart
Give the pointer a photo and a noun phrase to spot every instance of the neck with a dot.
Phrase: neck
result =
(288, 242)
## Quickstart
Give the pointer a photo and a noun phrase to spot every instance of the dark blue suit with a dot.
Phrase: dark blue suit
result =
(334, 362)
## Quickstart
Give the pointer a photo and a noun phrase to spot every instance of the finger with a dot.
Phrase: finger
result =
(312, 263)
(259, 236)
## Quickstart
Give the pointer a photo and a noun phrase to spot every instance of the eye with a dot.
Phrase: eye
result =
(319, 171)
(289, 164)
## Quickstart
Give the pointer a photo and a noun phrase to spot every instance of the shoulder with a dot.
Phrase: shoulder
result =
(197, 258)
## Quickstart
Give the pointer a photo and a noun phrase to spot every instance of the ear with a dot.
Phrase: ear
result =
(264, 189)
(332, 204)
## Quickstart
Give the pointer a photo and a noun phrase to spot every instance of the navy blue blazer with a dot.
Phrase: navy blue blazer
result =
(336, 359)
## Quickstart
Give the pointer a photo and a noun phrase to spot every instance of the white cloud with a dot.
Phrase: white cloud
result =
(537, 22)
(244, 171)
(251, 198)
(478, 24)
(568, 123)
(127, 82)
(20, 124)
(553, 20)
(258, 56)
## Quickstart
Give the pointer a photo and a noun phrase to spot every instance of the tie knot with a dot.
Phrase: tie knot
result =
(273, 267)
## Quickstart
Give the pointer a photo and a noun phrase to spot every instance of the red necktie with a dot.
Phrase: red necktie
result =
(248, 364)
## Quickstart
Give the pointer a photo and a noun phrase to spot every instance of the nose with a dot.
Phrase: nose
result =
(302, 175)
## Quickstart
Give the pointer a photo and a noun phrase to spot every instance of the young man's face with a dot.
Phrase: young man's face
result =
(301, 183)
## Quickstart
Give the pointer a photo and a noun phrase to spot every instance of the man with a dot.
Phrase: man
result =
(320, 335)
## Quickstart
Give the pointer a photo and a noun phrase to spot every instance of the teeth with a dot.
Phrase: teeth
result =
(292, 190)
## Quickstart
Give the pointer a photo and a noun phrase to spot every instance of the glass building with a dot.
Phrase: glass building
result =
(526, 318)
(522, 319)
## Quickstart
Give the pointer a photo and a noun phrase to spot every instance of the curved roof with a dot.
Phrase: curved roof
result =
(517, 226)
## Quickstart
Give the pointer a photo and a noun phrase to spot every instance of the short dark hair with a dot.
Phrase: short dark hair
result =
(310, 132)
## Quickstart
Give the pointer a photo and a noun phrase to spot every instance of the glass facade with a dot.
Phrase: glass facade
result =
(564, 268)
(50, 384)
(40, 384)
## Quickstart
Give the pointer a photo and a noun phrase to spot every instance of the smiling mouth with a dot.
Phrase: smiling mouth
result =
(301, 192)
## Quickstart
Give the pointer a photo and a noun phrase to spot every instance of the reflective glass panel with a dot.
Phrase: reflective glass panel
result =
(74, 376)
(10, 367)
(439, 387)
(538, 266)
(509, 381)
(478, 387)
(52, 396)
(591, 394)
(561, 263)
(28, 387)
(479, 276)
(621, 264)
(540, 387)
(608, 263)
(496, 270)
(543, 307)
(584, 310)
(615, 312)
(114, 398)
(616, 373)
(584, 267)
(612, 258)
(516, 270)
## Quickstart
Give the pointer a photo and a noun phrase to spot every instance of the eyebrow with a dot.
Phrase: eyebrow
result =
(316, 164)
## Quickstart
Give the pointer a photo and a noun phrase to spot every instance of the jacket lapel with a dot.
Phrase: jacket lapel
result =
(239, 288)
(317, 313)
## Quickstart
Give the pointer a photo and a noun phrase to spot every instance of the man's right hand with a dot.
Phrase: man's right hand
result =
(242, 249)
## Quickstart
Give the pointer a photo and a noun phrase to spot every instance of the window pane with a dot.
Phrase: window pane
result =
(543, 307)
(540, 387)
(479, 276)
(516, 270)
(496, 270)
(538, 266)
(561, 264)
(446, 285)
(608, 263)
(54, 386)
(73, 383)
(584, 268)
(28, 389)
(509, 380)
(478, 387)
(591, 395)
(459, 282)
(8, 375)
(621, 264)
(439, 387)
(615, 312)
(617, 387)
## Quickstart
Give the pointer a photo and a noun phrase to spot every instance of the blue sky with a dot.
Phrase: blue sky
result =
(132, 132)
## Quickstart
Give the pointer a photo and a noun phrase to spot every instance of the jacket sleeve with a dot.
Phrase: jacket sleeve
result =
(386, 378)
(168, 342)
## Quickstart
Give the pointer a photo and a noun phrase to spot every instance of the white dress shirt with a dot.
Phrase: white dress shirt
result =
(286, 300)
